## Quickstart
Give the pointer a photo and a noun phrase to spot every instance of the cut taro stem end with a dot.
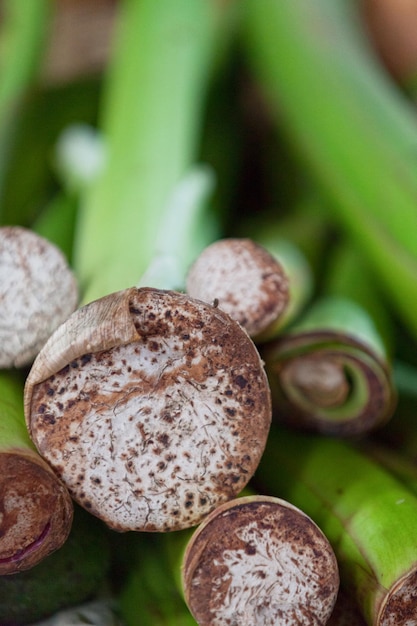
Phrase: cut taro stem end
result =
(38, 292)
(35, 508)
(329, 372)
(245, 279)
(259, 560)
(153, 408)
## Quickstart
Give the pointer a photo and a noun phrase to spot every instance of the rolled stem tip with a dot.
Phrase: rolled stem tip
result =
(329, 383)
(259, 560)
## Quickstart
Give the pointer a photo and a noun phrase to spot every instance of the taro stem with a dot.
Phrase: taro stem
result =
(259, 560)
(245, 280)
(289, 240)
(24, 30)
(152, 407)
(334, 367)
(38, 291)
(329, 372)
(350, 124)
(368, 516)
(397, 463)
(35, 507)
(149, 586)
(152, 106)
(73, 574)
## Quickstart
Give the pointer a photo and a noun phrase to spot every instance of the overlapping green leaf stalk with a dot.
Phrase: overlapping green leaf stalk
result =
(151, 117)
(355, 132)
(150, 591)
(23, 36)
(368, 516)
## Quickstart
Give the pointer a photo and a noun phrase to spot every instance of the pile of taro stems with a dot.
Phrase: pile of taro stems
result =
(271, 121)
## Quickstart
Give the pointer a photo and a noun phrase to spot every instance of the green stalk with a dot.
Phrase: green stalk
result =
(149, 591)
(368, 516)
(78, 157)
(38, 291)
(36, 507)
(355, 131)
(394, 461)
(153, 104)
(331, 371)
(400, 434)
(23, 35)
(56, 223)
(186, 228)
(348, 275)
(73, 574)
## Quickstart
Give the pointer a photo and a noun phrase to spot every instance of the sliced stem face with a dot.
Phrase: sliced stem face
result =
(36, 509)
(38, 291)
(244, 279)
(328, 375)
(151, 406)
(259, 560)
(368, 516)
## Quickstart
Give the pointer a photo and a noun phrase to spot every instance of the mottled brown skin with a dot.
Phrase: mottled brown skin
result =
(155, 433)
(38, 291)
(269, 585)
(245, 280)
(400, 603)
(36, 511)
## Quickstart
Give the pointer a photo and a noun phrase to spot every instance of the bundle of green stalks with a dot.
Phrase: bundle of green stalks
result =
(148, 408)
